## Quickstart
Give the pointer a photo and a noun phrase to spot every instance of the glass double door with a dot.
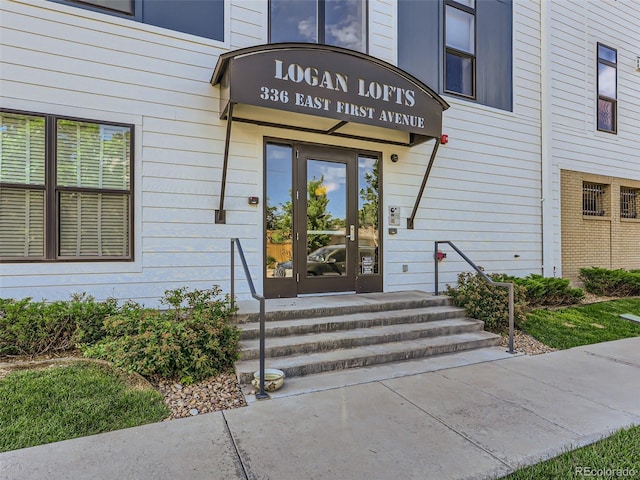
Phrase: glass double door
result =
(322, 236)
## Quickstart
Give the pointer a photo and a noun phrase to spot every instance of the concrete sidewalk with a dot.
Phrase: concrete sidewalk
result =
(475, 421)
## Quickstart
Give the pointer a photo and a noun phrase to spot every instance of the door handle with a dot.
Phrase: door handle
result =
(352, 233)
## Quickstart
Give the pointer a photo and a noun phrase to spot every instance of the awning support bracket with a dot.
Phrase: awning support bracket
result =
(220, 214)
(336, 127)
(411, 219)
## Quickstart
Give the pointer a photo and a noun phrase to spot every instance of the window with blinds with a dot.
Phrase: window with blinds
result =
(22, 186)
(65, 188)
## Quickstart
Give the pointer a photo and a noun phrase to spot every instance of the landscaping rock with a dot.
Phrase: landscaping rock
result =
(526, 344)
(220, 392)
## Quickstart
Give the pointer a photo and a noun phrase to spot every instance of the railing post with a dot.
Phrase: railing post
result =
(262, 394)
(435, 260)
(511, 314)
(509, 285)
(233, 273)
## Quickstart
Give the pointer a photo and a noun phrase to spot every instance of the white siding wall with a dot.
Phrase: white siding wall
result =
(483, 194)
(383, 37)
(576, 28)
(64, 60)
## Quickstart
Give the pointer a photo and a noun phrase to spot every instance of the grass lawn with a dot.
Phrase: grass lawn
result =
(63, 402)
(583, 325)
(617, 456)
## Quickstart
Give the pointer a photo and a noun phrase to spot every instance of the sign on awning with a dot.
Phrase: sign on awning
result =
(329, 82)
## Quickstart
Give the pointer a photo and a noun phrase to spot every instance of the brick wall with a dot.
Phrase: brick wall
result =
(607, 241)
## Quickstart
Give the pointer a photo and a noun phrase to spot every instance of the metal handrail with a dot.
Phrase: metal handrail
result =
(509, 285)
(236, 242)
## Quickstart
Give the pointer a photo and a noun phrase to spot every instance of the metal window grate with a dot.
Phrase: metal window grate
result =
(593, 199)
(628, 202)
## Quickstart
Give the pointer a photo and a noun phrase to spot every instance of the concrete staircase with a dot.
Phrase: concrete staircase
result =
(319, 334)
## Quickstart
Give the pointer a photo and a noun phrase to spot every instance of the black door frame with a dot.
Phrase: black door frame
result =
(356, 281)
(341, 279)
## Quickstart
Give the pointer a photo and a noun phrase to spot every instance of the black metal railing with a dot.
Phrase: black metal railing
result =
(485, 277)
(235, 242)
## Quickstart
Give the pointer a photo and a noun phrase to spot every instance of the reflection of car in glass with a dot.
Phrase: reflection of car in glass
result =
(327, 260)
(283, 269)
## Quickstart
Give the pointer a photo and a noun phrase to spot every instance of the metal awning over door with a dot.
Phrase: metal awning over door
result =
(328, 90)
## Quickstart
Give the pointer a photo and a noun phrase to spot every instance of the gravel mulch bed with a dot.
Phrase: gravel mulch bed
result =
(524, 343)
(220, 392)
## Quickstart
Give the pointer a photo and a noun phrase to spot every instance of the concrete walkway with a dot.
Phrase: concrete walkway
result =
(475, 421)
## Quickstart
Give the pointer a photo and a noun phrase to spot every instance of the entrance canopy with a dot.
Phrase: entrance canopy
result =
(341, 86)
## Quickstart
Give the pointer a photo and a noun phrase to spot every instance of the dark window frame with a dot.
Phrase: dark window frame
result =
(141, 15)
(131, 12)
(321, 19)
(52, 193)
(460, 53)
(593, 199)
(629, 202)
(604, 98)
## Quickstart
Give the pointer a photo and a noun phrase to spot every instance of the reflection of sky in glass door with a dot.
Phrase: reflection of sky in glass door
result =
(279, 175)
(335, 184)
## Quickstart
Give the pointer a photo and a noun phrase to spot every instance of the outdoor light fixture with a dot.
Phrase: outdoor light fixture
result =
(444, 139)
(394, 157)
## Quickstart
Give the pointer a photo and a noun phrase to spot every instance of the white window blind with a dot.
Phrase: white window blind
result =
(22, 163)
(22, 149)
(94, 224)
(21, 222)
(92, 155)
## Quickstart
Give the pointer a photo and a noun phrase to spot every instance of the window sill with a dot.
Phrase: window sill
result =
(597, 218)
(14, 273)
(629, 220)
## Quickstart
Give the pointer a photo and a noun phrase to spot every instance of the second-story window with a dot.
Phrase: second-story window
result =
(204, 18)
(333, 22)
(460, 47)
(607, 88)
(120, 6)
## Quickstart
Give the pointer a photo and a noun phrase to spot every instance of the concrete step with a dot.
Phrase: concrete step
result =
(302, 326)
(332, 339)
(307, 364)
(335, 305)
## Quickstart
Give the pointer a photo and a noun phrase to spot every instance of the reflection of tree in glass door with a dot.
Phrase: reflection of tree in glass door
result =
(326, 214)
(368, 208)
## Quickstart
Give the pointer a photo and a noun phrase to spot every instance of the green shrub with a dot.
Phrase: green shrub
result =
(35, 328)
(488, 302)
(548, 291)
(191, 340)
(613, 283)
(89, 317)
